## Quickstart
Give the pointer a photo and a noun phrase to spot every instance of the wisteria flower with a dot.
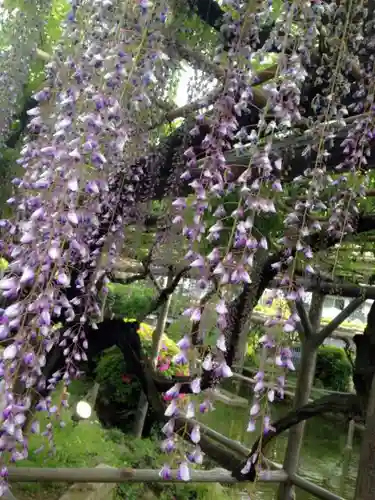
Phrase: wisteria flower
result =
(184, 472)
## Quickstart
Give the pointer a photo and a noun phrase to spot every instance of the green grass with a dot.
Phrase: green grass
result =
(82, 445)
(88, 444)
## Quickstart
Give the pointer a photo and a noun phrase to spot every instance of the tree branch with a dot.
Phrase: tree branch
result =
(154, 282)
(299, 327)
(23, 119)
(197, 59)
(348, 351)
(128, 281)
(208, 11)
(304, 318)
(146, 263)
(165, 293)
(211, 13)
(186, 110)
(347, 404)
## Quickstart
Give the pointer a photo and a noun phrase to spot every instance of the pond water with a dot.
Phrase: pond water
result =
(322, 452)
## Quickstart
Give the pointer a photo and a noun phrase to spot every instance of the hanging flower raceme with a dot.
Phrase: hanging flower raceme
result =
(256, 187)
(21, 31)
(302, 224)
(71, 211)
(230, 266)
(332, 105)
(87, 154)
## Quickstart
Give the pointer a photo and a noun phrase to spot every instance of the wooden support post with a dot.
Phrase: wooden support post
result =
(311, 341)
(156, 344)
(303, 389)
(94, 394)
(347, 456)
(161, 323)
(140, 416)
(365, 486)
(306, 329)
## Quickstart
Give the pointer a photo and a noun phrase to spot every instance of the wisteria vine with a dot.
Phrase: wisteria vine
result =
(82, 167)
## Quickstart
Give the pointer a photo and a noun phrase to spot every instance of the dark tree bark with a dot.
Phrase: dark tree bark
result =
(211, 13)
(365, 485)
(364, 366)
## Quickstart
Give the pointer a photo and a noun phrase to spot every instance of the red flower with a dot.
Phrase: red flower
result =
(126, 379)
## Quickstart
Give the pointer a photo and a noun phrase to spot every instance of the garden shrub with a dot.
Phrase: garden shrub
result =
(333, 369)
(129, 301)
(278, 305)
(119, 393)
(252, 358)
(134, 300)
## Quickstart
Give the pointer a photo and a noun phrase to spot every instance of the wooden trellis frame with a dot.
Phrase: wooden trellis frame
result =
(127, 475)
(280, 476)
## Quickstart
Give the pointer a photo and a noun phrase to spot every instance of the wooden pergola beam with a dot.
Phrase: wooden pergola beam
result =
(127, 475)
(325, 287)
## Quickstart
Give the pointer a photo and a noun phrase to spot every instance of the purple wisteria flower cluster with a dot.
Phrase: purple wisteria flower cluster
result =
(81, 171)
(69, 230)
(256, 186)
(20, 33)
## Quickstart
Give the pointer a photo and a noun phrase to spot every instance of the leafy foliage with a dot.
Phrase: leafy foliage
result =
(52, 34)
(333, 369)
(120, 393)
(129, 301)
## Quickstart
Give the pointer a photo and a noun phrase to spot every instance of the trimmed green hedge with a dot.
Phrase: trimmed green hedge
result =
(333, 369)
(129, 301)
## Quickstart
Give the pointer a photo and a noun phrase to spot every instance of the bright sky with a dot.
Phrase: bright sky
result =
(182, 89)
(182, 95)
